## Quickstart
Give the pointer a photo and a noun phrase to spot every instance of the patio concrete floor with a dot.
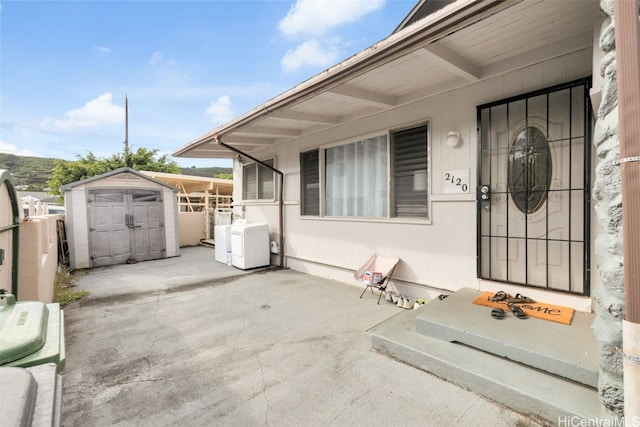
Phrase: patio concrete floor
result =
(191, 342)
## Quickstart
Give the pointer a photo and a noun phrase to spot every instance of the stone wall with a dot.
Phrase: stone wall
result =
(609, 294)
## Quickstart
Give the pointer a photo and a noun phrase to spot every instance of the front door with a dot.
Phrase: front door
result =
(534, 189)
(125, 225)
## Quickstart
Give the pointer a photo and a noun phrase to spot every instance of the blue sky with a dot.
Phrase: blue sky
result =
(185, 66)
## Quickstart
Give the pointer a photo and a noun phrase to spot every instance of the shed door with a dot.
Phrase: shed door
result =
(125, 225)
(108, 232)
(146, 225)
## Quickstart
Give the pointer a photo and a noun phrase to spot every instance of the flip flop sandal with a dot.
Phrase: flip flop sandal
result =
(499, 296)
(519, 299)
(517, 311)
(497, 313)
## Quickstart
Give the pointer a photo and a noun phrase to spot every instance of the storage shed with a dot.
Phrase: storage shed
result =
(121, 216)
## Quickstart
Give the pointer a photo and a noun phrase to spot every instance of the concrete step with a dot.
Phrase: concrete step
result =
(32, 397)
(569, 351)
(522, 388)
(48, 405)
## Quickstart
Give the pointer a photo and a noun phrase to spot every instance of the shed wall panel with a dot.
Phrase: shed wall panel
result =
(79, 248)
(171, 223)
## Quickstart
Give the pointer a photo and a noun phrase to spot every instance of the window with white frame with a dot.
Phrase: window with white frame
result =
(356, 177)
(258, 181)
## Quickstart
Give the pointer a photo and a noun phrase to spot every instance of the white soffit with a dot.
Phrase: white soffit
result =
(518, 34)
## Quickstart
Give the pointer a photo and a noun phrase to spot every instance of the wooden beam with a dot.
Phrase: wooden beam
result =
(267, 131)
(305, 117)
(451, 61)
(359, 96)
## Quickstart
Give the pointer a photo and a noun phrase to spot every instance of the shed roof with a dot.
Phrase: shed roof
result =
(125, 170)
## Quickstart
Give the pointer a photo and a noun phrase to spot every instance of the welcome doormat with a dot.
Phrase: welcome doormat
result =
(539, 310)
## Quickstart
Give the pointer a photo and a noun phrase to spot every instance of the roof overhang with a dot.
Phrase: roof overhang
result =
(120, 171)
(463, 43)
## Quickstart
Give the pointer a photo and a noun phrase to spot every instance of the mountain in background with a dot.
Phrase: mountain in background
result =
(29, 173)
(211, 172)
(32, 173)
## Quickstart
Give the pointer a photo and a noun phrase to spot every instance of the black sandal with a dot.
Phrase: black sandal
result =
(520, 299)
(517, 311)
(499, 296)
(497, 313)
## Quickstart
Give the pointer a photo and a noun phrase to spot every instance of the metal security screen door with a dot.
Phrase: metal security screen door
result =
(534, 189)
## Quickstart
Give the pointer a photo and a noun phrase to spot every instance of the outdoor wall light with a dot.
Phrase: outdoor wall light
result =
(453, 139)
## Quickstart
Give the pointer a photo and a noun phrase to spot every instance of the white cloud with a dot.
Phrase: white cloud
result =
(309, 53)
(94, 114)
(220, 110)
(156, 57)
(12, 149)
(101, 49)
(315, 17)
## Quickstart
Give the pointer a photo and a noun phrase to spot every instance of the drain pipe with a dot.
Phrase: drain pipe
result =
(218, 141)
(627, 37)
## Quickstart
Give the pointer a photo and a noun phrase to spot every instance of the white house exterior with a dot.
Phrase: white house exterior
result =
(367, 165)
(120, 216)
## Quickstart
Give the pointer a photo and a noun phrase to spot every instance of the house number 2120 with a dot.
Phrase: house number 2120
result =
(456, 181)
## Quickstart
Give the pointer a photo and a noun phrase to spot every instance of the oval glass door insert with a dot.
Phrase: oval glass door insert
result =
(529, 173)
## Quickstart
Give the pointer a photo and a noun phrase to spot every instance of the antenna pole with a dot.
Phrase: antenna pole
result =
(127, 159)
(126, 122)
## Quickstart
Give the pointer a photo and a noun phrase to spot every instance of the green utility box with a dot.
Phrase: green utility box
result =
(31, 333)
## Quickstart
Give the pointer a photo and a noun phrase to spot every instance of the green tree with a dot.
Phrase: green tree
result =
(224, 176)
(65, 172)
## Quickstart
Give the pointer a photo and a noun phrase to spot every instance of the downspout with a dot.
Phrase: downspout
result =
(627, 39)
(218, 141)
